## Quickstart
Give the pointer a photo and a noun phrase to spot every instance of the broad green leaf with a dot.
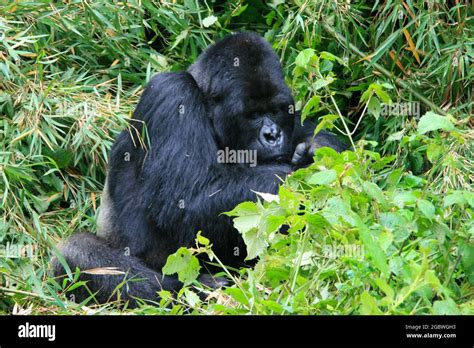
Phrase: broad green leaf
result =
(255, 241)
(326, 122)
(456, 197)
(374, 251)
(245, 223)
(324, 177)
(385, 287)
(374, 107)
(384, 97)
(304, 57)
(374, 192)
(237, 294)
(310, 107)
(431, 122)
(184, 264)
(426, 208)
(289, 200)
(244, 208)
(446, 307)
(191, 298)
(320, 83)
(368, 304)
(434, 151)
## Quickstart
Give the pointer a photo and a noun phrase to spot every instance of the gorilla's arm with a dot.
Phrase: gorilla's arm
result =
(164, 195)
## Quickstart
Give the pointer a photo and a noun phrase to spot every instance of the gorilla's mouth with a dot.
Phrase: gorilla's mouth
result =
(276, 153)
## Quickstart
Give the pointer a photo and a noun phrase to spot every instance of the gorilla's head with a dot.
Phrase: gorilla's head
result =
(249, 103)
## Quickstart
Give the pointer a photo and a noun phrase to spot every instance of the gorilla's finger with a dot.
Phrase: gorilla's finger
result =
(213, 282)
(313, 147)
(299, 153)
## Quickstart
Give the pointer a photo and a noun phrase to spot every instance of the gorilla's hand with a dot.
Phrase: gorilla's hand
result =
(305, 150)
(303, 154)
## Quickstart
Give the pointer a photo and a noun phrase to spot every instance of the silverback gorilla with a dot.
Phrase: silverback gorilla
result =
(164, 181)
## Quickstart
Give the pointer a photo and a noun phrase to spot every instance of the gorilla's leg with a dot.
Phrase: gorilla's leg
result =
(90, 253)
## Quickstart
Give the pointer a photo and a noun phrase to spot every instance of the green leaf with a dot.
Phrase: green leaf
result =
(368, 304)
(456, 197)
(288, 199)
(331, 57)
(434, 151)
(431, 122)
(256, 243)
(320, 83)
(185, 264)
(446, 307)
(324, 177)
(440, 231)
(310, 107)
(304, 57)
(394, 177)
(469, 197)
(245, 223)
(397, 136)
(383, 285)
(202, 240)
(374, 192)
(244, 208)
(326, 122)
(467, 259)
(237, 294)
(191, 298)
(426, 208)
(384, 97)
(374, 250)
(272, 223)
(239, 10)
(374, 107)
(61, 157)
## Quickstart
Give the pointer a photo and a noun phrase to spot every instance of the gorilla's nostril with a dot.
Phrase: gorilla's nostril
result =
(272, 135)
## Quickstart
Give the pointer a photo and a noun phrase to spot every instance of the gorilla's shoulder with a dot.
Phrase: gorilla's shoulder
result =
(170, 82)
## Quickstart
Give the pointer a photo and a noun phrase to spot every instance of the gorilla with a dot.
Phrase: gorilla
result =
(165, 182)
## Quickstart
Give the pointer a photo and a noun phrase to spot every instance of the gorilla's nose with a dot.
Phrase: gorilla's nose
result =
(270, 135)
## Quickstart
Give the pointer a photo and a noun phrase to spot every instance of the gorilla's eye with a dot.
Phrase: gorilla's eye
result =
(216, 98)
(253, 115)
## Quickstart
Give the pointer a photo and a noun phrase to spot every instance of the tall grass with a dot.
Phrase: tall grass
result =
(71, 73)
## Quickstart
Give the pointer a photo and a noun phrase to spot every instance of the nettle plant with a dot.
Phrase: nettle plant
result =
(354, 233)
(361, 238)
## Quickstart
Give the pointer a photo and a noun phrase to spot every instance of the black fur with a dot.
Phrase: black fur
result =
(164, 182)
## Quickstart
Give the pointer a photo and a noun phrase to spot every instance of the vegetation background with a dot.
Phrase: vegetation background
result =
(385, 228)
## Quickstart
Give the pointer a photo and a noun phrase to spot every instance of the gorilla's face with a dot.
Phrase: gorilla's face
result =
(249, 103)
(260, 123)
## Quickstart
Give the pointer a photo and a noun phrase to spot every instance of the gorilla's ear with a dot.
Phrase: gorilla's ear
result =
(201, 77)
